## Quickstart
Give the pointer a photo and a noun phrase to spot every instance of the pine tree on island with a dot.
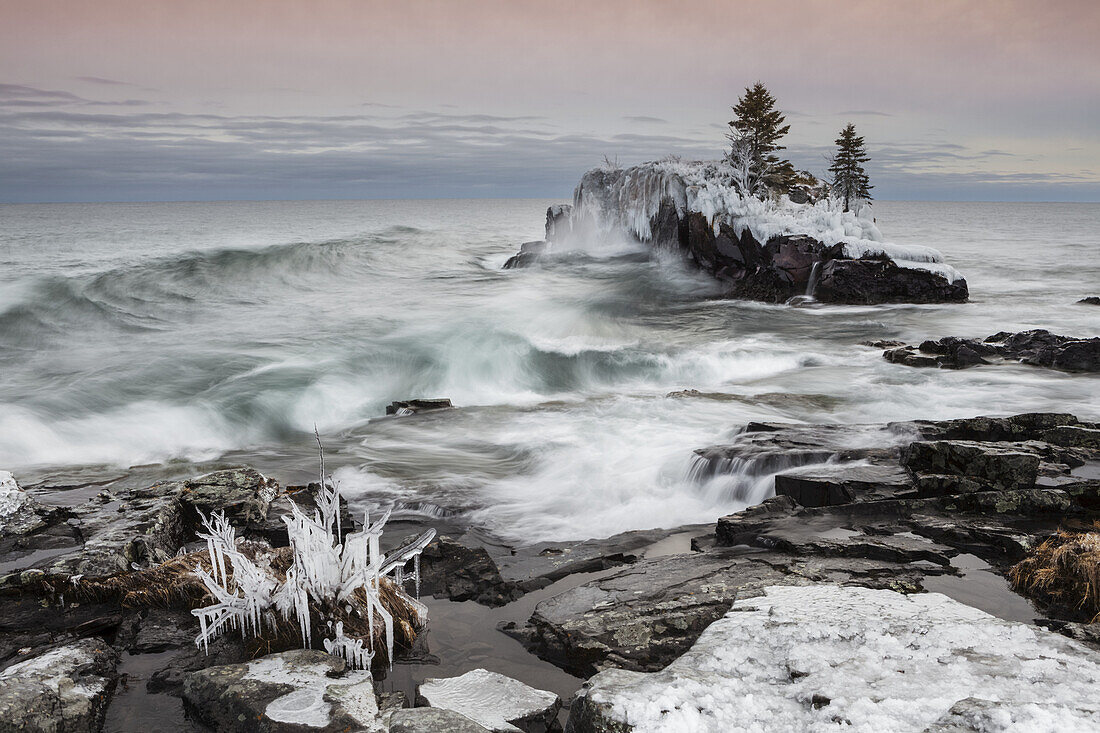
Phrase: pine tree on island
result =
(754, 136)
(850, 180)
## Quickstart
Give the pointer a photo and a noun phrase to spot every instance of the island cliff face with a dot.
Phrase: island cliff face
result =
(768, 251)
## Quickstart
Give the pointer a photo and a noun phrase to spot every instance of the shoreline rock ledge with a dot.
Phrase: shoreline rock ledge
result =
(770, 251)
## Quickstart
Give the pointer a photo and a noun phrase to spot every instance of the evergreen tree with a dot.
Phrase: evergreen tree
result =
(849, 178)
(759, 126)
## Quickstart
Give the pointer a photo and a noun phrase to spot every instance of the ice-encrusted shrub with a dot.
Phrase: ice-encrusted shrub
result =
(347, 591)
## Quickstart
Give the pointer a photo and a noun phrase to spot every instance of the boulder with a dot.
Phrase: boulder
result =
(529, 254)
(995, 466)
(297, 690)
(1091, 300)
(493, 701)
(808, 658)
(459, 573)
(243, 494)
(63, 690)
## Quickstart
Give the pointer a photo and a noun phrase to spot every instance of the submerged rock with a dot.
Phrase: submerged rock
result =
(494, 701)
(64, 690)
(292, 691)
(799, 658)
(1037, 348)
(414, 407)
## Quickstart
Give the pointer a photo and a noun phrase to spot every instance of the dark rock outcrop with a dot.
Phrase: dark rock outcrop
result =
(1037, 348)
(995, 466)
(115, 532)
(529, 254)
(1091, 300)
(452, 570)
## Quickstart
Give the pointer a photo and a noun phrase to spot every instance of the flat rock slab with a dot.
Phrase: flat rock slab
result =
(494, 701)
(1000, 466)
(114, 532)
(64, 690)
(834, 484)
(301, 690)
(823, 657)
(432, 720)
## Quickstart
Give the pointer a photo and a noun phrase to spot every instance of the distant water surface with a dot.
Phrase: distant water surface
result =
(214, 333)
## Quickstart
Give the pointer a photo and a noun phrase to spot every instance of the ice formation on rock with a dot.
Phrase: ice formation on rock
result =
(325, 573)
(629, 199)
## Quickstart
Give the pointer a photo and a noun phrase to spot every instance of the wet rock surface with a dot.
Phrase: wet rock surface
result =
(1036, 347)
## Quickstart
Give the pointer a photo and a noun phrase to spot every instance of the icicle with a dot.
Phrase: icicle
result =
(416, 574)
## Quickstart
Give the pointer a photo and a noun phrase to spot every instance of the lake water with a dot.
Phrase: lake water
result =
(190, 335)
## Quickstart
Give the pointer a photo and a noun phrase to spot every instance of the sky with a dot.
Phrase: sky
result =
(136, 100)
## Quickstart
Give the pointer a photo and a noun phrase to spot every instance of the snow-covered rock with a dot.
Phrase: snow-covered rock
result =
(17, 509)
(492, 700)
(291, 691)
(820, 658)
(66, 689)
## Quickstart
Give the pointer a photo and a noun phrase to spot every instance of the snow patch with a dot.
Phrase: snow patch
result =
(813, 658)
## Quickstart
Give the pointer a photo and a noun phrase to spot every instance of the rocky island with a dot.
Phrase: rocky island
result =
(772, 249)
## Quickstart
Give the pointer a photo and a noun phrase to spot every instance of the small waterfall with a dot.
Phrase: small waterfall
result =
(811, 284)
(749, 479)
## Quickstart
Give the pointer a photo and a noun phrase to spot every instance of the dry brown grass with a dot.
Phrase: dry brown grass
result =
(1064, 571)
